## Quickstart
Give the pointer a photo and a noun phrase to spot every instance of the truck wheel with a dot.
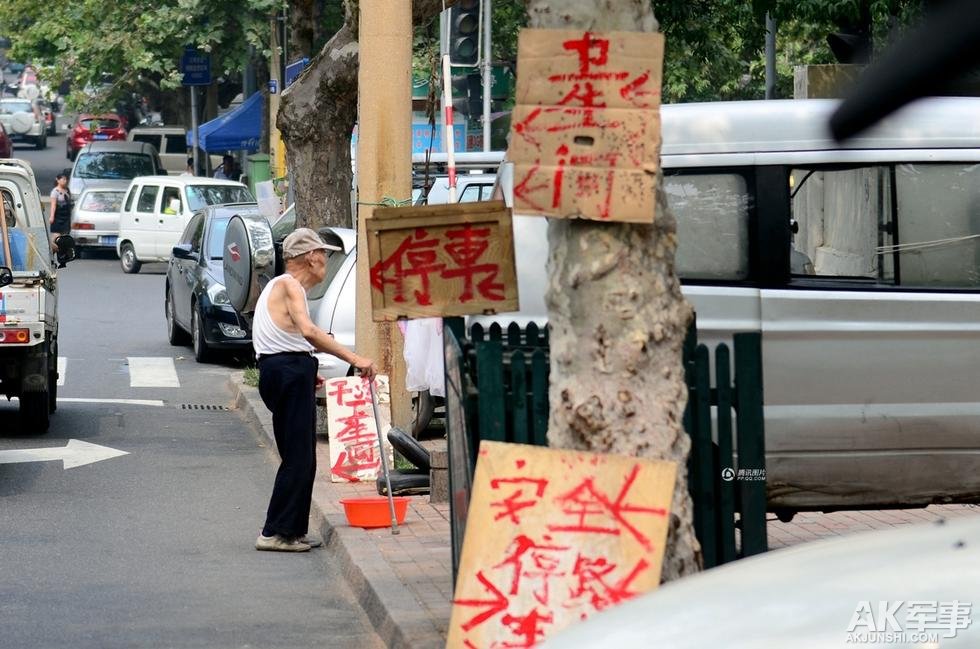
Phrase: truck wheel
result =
(202, 353)
(175, 334)
(34, 414)
(127, 259)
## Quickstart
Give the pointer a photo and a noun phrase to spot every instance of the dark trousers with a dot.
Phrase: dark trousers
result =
(286, 384)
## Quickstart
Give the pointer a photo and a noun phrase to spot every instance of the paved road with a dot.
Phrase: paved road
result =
(152, 548)
(47, 163)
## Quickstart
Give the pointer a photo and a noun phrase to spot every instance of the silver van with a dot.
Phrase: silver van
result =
(860, 265)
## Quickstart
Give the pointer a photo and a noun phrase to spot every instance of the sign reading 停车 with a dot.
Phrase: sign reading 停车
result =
(351, 427)
(441, 260)
(554, 536)
(585, 133)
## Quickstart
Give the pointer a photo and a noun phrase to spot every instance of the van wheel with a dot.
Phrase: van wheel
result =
(127, 259)
(175, 334)
(202, 353)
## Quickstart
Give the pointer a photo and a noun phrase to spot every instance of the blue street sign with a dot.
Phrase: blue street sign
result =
(273, 86)
(293, 70)
(196, 67)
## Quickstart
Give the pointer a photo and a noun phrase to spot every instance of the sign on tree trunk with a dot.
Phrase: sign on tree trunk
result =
(441, 260)
(552, 537)
(585, 133)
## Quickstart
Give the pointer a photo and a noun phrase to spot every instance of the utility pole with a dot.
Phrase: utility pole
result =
(277, 149)
(487, 69)
(384, 168)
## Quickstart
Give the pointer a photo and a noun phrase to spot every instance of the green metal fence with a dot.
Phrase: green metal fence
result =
(497, 389)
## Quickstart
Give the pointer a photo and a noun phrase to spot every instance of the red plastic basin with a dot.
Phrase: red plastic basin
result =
(374, 512)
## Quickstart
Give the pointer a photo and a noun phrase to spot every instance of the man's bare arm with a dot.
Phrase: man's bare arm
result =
(320, 339)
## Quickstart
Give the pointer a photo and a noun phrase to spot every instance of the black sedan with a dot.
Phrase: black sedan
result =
(197, 305)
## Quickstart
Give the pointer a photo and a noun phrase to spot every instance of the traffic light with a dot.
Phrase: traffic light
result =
(468, 95)
(464, 32)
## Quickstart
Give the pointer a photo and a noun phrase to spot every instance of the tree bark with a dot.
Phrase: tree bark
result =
(618, 319)
(316, 116)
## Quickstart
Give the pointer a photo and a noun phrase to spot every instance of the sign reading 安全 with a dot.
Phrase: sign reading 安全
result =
(585, 133)
(553, 537)
(441, 260)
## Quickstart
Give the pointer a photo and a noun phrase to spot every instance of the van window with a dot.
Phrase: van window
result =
(148, 198)
(712, 212)
(472, 193)
(130, 199)
(200, 196)
(938, 214)
(171, 203)
(176, 144)
(844, 221)
(153, 139)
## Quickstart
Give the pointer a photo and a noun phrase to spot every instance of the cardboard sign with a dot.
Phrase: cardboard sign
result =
(554, 536)
(441, 260)
(351, 428)
(585, 133)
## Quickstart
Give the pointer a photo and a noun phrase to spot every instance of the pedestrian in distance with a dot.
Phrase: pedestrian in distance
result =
(189, 169)
(61, 204)
(284, 338)
(228, 169)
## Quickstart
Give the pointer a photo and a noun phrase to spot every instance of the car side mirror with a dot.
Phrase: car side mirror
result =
(6, 276)
(183, 251)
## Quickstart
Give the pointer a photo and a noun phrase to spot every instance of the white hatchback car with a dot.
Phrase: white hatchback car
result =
(95, 219)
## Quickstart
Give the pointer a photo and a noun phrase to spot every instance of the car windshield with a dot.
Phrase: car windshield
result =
(101, 201)
(200, 196)
(11, 107)
(114, 164)
(95, 123)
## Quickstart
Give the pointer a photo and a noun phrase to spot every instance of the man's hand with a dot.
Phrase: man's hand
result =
(365, 367)
(320, 381)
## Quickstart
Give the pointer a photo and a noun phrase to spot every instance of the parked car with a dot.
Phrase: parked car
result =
(827, 593)
(93, 128)
(6, 145)
(195, 300)
(23, 122)
(112, 165)
(50, 118)
(157, 209)
(95, 219)
(171, 142)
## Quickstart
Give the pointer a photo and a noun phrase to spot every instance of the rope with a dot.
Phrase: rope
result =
(923, 245)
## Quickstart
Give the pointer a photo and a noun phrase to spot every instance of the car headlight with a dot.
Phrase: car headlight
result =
(218, 294)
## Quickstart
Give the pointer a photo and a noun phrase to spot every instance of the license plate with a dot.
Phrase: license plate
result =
(108, 241)
(101, 136)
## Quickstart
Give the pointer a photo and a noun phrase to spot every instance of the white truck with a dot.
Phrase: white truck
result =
(28, 297)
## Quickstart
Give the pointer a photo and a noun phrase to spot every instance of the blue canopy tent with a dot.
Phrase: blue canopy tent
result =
(237, 130)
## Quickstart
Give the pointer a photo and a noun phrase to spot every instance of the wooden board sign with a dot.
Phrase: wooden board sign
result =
(554, 536)
(441, 260)
(585, 132)
(351, 428)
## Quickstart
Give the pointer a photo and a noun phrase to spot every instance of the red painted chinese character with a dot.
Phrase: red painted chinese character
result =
(596, 513)
(512, 503)
(466, 246)
(526, 627)
(594, 583)
(415, 256)
(542, 559)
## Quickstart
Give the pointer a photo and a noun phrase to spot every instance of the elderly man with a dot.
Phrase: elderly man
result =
(284, 338)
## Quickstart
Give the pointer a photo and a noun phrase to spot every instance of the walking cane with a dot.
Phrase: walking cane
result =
(384, 459)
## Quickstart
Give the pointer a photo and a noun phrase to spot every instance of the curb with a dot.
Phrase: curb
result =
(397, 618)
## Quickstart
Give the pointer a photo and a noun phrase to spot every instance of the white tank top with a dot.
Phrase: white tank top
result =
(267, 337)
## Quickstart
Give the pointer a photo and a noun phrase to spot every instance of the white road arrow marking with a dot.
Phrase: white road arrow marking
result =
(76, 453)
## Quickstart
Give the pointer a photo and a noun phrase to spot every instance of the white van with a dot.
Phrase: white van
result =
(860, 265)
(157, 208)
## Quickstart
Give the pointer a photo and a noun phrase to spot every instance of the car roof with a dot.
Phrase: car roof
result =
(118, 145)
(187, 180)
(231, 209)
(802, 125)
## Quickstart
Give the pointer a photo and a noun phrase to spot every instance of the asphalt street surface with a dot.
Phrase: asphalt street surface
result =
(153, 548)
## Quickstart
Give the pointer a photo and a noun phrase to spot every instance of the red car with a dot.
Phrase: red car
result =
(6, 146)
(94, 128)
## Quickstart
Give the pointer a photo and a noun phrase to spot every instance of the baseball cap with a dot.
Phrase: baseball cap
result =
(301, 241)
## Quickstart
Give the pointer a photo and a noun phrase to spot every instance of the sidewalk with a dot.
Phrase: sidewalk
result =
(404, 582)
